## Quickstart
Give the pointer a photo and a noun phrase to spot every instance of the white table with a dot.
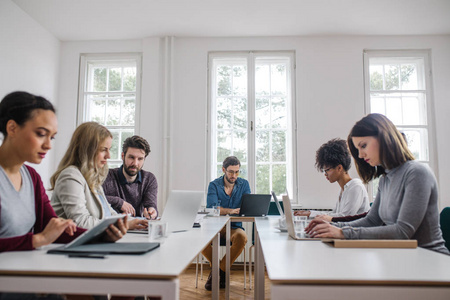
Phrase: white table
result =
(154, 274)
(315, 270)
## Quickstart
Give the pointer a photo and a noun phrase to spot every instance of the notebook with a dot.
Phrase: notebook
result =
(254, 205)
(290, 221)
(86, 244)
(181, 209)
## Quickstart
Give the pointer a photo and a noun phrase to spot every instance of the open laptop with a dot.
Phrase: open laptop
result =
(86, 243)
(254, 205)
(280, 210)
(290, 221)
(181, 209)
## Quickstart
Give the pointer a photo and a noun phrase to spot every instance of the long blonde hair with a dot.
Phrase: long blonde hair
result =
(82, 151)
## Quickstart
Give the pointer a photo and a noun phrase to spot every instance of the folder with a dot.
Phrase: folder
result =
(337, 243)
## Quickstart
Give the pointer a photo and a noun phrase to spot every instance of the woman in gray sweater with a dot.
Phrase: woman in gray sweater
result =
(406, 205)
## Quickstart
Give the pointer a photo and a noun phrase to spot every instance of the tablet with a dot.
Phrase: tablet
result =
(94, 232)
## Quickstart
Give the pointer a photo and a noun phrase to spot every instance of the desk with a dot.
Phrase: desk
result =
(315, 270)
(154, 274)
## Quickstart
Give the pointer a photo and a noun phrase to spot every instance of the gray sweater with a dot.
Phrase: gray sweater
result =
(406, 207)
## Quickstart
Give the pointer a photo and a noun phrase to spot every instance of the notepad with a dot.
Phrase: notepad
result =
(371, 243)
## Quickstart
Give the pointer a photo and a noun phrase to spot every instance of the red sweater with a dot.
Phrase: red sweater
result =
(44, 212)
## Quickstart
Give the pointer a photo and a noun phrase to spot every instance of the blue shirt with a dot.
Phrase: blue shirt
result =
(216, 193)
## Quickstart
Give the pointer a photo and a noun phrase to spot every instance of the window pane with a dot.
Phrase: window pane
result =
(279, 115)
(129, 79)
(240, 80)
(262, 179)
(240, 113)
(262, 80)
(262, 146)
(97, 105)
(116, 146)
(409, 77)
(394, 110)
(115, 79)
(279, 179)
(376, 77)
(223, 108)
(262, 113)
(417, 139)
(244, 171)
(128, 111)
(223, 145)
(99, 80)
(240, 145)
(278, 79)
(411, 111)
(278, 146)
(125, 134)
(223, 80)
(377, 105)
(113, 111)
(391, 77)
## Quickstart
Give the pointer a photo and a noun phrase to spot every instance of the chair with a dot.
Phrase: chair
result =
(445, 225)
(273, 211)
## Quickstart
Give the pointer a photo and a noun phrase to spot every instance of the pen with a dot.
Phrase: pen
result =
(86, 256)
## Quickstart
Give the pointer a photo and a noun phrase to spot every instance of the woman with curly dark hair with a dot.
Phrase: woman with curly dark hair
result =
(334, 160)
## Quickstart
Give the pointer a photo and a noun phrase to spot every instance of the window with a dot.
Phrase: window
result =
(251, 117)
(109, 94)
(397, 86)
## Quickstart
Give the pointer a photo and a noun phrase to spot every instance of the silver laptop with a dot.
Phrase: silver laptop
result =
(280, 210)
(290, 221)
(181, 209)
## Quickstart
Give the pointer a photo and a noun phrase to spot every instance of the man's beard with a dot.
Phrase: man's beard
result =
(228, 179)
(129, 173)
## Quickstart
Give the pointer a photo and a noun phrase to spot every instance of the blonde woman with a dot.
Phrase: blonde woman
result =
(77, 184)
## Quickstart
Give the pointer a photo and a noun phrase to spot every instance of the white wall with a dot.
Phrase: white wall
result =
(330, 99)
(29, 59)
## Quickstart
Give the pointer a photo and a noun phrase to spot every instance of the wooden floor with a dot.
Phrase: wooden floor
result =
(188, 290)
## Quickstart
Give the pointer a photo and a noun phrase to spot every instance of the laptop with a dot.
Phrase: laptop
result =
(86, 243)
(254, 205)
(280, 210)
(290, 221)
(181, 209)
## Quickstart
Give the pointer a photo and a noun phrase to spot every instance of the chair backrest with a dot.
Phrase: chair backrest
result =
(445, 225)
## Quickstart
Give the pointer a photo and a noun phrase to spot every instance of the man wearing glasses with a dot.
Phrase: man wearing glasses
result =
(226, 192)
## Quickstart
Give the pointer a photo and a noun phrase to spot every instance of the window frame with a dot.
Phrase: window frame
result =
(251, 58)
(429, 101)
(85, 58)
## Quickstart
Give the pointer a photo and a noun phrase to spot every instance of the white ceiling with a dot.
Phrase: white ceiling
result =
(72, 20)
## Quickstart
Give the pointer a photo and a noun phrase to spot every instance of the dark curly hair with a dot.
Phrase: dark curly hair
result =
(332, 154)
(136, 142)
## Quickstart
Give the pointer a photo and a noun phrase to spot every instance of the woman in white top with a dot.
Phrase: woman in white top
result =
(77, 184)
(334, 160)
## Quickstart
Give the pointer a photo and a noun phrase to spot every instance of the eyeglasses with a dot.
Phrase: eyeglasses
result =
(325, 171)
(233, 172)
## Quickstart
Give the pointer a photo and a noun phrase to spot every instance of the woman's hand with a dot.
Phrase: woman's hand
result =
(54, 228)
(321, 229)
(305, 213)
(137, 224)
(115, 232)
(324, 218)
